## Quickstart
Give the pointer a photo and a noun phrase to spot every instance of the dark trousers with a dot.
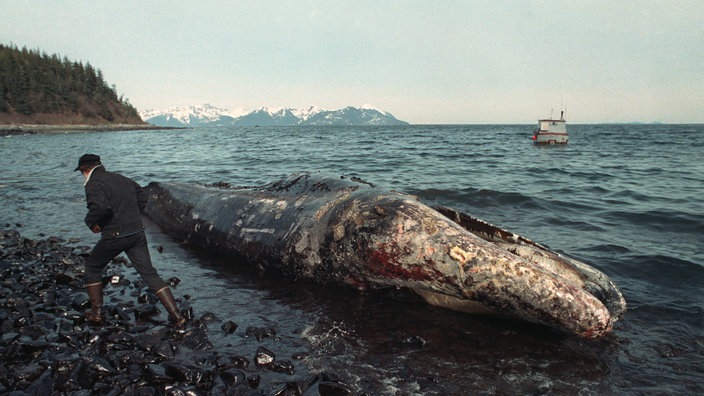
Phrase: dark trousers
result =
(135, 246)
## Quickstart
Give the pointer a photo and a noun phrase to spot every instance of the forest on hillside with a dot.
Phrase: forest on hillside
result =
(38, 88)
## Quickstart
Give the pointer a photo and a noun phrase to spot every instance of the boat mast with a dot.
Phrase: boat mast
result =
(562, 108)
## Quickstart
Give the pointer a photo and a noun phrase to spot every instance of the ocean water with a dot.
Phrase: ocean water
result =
(627, 199)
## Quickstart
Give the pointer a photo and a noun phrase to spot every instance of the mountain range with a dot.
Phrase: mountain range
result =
(208, 115)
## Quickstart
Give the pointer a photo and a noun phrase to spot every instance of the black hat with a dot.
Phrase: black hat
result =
(87, 159)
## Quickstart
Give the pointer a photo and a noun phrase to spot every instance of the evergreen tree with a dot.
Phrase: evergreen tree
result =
(33, 83)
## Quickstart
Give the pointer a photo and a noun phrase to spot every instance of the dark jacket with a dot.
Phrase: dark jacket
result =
(115, 203)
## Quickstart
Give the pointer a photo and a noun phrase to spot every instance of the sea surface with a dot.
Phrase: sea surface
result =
(627, 199)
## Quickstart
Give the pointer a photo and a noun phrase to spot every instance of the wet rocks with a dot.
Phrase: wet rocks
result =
(260, 332)
(264, 357)
(229, 327)
(47, 347)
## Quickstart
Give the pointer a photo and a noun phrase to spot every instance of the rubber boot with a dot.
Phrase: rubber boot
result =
(95, 295)
(167, 299)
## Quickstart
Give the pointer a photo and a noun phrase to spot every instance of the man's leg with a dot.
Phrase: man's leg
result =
(167, 299)
(141, 260)
(95, 295)
(99, 257)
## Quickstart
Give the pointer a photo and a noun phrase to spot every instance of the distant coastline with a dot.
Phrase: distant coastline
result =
(30, 129)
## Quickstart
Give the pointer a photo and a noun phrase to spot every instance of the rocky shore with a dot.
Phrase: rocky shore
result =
(28, 129)
(47, 347)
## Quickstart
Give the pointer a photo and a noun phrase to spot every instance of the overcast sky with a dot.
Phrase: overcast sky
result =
(424, 61)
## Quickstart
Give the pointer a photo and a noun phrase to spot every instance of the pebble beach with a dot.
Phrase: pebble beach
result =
(47, 347)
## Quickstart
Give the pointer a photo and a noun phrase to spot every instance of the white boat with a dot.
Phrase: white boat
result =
(551, 131)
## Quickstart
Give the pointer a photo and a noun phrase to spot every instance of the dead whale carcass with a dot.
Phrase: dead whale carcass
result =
(345, 231)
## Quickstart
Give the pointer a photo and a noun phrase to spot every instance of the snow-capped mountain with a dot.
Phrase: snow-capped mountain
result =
(191, 116)
(353, 116)
(180, 116)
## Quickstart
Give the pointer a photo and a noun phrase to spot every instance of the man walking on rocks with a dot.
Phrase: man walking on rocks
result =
(115, 204)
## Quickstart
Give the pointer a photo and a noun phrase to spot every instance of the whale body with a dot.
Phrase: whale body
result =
(345, 231)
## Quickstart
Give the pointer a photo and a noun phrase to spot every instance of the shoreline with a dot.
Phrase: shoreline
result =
(49, 348)
(31, 129)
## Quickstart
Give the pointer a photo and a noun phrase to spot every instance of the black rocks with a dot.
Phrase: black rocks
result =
(264, 357)
(261, 332)
(229, 327)
(47, 347)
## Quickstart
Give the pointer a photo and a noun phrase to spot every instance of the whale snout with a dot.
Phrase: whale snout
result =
(539, 285)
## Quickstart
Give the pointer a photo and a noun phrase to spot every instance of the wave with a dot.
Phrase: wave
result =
(477, 198)
(660, 220)
(568, 222)
(666, 271)
(608, 248)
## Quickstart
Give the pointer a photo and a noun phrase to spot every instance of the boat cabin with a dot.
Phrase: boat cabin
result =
(551, 131)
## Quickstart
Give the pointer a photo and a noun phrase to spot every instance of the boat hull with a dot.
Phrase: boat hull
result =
(550, 138)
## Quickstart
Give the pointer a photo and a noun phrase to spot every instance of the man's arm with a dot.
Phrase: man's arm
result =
(99, 210)
(141, 198)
